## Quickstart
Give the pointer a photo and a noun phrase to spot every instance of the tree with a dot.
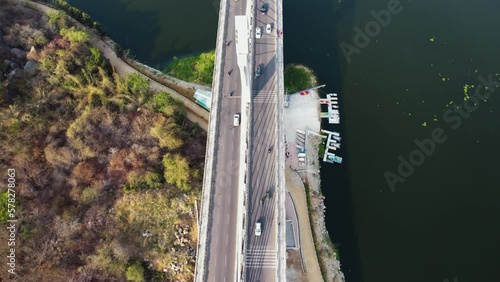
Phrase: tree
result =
(132, 91)
(164, 103)
(176, 171)
(167, 134)
(56, 18)
(135, 272)
(74, 36)
(95, 60)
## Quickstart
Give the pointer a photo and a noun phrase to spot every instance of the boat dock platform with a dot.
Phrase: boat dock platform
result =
(333, 114)
(332, 144)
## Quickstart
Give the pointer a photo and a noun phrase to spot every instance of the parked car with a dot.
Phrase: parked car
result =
(269, 28)
(263, 8)
(258, 33)
(236, 120)
(257, 71)
(258, 229)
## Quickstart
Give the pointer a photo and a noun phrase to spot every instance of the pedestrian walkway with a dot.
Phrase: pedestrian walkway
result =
(297, 191)
(260, 258)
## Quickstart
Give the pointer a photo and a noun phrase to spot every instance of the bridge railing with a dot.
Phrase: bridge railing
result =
(210, 156)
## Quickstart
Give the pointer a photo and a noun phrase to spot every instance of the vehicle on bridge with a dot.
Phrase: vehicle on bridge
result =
(269, 28)
(257, 71)
(258, 229)
(263, 8)
(258, 33)
(236, 120)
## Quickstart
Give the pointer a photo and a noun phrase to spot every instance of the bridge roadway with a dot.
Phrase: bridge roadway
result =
(261, 251)
(218, 260)
(221, 249)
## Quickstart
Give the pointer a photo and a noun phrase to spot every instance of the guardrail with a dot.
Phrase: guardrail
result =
(280, 152)
(210, 160)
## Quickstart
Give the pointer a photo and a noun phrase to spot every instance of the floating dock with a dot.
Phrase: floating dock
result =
(332, 144)
(333, 113)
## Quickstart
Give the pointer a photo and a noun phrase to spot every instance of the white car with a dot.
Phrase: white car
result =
(269, 28)
(258, 229)
(258, 33)
(236, 120)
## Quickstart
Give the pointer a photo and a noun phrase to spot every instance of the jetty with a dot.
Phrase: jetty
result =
(333, 113)
(332, 144)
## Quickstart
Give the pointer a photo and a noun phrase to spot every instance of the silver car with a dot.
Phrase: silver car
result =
(258, 33)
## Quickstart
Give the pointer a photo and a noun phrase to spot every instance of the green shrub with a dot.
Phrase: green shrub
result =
(135, 272)
(149, 180)
(177, 171)
(4, 211)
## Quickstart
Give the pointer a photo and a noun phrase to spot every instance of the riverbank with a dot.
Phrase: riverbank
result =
(122, 65)
(303, 182)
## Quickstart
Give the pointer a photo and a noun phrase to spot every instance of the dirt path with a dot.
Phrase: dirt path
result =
(195, 113)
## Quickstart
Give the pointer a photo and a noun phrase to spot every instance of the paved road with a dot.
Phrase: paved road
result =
(222, 247)
(261, 251)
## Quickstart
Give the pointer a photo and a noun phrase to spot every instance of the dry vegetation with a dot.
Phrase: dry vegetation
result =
(107, 172)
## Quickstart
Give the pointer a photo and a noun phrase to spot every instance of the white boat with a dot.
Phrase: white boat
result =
(302, 159)
(301, 155)
(335, 134)
(336, 138)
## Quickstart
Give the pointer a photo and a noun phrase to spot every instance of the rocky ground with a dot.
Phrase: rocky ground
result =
(328, 257)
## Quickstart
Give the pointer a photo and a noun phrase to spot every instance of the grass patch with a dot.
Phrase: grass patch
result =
(321, 149)
(197, 69)
(298, 77)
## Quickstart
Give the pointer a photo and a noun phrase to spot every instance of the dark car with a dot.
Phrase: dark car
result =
(263, 8)
(257, 71)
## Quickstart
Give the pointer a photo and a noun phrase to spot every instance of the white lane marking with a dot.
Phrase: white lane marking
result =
(227, 237)
(225, 260)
